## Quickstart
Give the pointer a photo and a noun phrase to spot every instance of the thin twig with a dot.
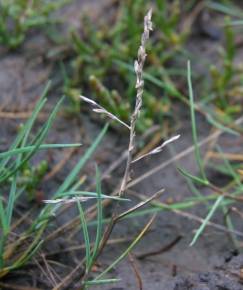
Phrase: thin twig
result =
(45, 274)
(161, 250)
(136, 271)
(49, 270)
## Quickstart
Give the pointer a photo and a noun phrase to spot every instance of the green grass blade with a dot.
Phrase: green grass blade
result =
(125, 253)
(26, 149)
(71, 177)
(86, 236)
(48, 210)
(193, 121)
(218, 125)
(20, 140)
(232, 11)
(91, 194)
(27, 255)
(3, 217)
(37, 144)
(99, 214)
(229, 167)
(24, 131)
(11, 200)
(102, 282)
(206, 220)
(31, 121)
(192, 177)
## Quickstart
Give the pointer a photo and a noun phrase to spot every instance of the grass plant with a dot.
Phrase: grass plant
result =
(103, 56)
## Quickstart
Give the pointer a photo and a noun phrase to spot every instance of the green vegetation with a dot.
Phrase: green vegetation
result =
(225, 194)
(18, 17)
(103, 68)
(105, 51)
(13, 168)
(105, 56)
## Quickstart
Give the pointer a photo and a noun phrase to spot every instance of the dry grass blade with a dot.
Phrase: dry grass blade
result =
(136, 271)
(139, 205)
(70, 200)
(101, 110)
(228, 156)
(158, 149)
(20, 115)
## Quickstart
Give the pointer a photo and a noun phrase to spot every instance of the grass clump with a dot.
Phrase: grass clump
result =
(13, 165)
(18, 250)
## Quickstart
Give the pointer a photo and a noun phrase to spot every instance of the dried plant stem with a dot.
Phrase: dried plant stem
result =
(157, 149)
(116, 218)
(136, 271)
(160, 251)
(138, 67)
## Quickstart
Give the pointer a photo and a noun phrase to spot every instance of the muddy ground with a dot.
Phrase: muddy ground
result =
(213, 263)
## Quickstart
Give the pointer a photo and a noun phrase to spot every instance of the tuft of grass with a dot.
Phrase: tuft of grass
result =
(12, 165)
